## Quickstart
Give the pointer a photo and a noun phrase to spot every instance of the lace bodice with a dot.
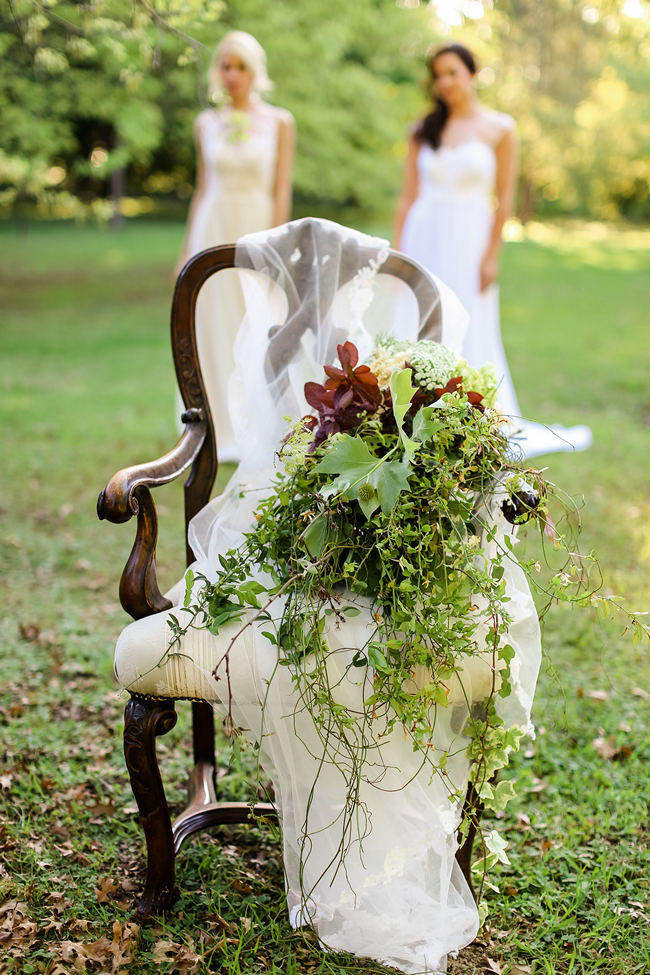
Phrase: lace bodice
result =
(468, 168)
(239, 150)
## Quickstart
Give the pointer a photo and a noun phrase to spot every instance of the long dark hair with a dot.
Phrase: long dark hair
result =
(430, 128)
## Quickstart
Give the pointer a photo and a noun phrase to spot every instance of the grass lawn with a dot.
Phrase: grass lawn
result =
(88, 387)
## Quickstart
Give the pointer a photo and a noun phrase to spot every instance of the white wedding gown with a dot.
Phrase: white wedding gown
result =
(447, 230)
(399, 897)
(239, 152)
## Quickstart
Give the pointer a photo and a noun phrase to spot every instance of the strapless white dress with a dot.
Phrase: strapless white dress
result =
(240, 161)
(447, 229)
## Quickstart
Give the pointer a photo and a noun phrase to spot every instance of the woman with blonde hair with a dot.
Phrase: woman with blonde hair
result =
(245, 151)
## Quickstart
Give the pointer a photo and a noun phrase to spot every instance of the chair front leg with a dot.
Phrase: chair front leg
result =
(472, 809)
(144, 719)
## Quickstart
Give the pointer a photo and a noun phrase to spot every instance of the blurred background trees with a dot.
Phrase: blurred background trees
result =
(97, 97)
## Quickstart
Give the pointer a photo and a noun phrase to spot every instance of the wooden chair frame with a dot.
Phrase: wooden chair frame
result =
(128, 494)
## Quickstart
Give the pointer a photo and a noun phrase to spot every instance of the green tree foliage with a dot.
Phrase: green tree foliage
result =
(95, 88)
(85, 89)
(575, 75)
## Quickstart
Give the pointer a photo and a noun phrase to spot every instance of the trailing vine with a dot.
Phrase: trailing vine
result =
(396, 500)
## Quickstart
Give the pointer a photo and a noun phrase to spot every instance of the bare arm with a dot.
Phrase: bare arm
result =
(506, 180)
(196, 199)
(284, 169)
(410, 188)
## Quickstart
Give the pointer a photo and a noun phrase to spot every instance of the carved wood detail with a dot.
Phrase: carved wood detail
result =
(144, 719)
(139, 592)
(128, 494)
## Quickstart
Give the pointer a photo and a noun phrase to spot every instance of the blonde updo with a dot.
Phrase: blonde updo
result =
(244, 46)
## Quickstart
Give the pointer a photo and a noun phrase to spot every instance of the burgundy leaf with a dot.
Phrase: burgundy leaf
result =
(348, 355)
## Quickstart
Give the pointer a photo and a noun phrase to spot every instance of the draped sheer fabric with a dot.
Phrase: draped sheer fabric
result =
(378, 878)
(308, 286)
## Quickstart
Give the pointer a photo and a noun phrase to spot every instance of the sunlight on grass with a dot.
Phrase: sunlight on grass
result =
(87, 388)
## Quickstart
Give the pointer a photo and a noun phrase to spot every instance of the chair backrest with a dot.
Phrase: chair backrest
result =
(295, 257)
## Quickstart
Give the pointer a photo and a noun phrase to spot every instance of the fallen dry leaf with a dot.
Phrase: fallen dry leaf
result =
(493, 966)
(538, 785)
(17, 930)
(106, 886)
(183, 957)
(241, 887)
(599, 695)
(81, 954)
(30, 632)
(219, 924)
(97, 582)
(610, 751)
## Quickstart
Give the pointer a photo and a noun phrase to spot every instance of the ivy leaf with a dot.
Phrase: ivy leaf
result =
(363, 477)
(315, 536)
(503, 793)
(497, 845)
(424, 426)
(350, 458)
(402, 392)
(506, 653)
(390, 480)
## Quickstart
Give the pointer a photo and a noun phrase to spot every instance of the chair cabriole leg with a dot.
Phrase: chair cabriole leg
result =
(472, 810)
(144, 719)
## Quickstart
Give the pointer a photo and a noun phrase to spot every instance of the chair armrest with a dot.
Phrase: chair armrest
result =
(127, 494)
(118, 501)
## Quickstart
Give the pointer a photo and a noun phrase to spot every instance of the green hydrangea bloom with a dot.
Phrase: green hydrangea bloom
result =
(435, 364)
(483, 380)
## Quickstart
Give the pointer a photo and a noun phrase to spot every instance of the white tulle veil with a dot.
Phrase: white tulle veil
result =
(398, 895)
(308, 285)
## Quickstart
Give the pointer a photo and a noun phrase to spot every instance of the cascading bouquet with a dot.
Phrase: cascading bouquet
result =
(392, 501)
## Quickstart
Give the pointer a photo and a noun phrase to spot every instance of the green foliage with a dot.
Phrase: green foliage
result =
(429, 559)
(575, 77)
(127, 80)
(86, 90)
(85, 319)
(372, 481)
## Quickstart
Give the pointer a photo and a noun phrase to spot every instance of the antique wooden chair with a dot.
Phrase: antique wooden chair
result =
(128, 494)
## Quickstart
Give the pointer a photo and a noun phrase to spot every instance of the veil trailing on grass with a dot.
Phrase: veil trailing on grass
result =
(378, 879)
(369, 824)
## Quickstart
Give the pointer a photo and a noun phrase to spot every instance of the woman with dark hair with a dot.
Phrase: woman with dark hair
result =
(458, 191)
(460, 157)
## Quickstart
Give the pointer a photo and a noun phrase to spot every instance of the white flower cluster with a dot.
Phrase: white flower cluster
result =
(433, 364)
(385, 362)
